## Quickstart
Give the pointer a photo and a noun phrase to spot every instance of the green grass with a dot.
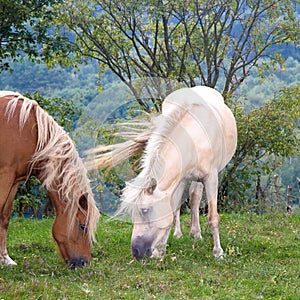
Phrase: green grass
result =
(262, 261)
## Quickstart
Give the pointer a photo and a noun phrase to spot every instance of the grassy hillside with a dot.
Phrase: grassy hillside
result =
(262, 261)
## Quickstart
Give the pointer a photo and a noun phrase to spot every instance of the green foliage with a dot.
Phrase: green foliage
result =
(169, 43)
(257, 91)
(30, 195)
(261, 261)
(271, 128)
(201, 43)
(265, 135)
(29, 77)
(64, 111)
(289, 172)
(21, 31)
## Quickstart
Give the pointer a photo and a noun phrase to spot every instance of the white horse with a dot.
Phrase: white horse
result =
(194, 137)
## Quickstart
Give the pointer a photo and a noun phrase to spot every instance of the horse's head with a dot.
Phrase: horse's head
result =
(153, 216)
(72, 233)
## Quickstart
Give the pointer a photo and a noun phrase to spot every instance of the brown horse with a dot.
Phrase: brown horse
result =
(32, 143)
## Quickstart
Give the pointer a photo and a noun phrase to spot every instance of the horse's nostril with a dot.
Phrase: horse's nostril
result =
(83, 263)
(140, 253)
(136, 252)
(76, 262)
(148, 252)
(141, 247)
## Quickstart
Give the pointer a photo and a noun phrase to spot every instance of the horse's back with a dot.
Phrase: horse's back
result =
(8, 93)
(207, 119)
(198, 95)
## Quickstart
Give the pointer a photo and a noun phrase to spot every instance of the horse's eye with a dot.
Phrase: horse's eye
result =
(144, 211)
(82, 227)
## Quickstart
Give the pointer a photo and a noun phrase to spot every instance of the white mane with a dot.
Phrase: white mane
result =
(151, 162)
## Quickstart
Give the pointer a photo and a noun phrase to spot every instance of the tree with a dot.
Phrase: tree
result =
(265, 136)
(23, 30)
(172, 43)
(214, 43)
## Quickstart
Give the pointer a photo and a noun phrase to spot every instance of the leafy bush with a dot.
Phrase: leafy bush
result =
(266, 135)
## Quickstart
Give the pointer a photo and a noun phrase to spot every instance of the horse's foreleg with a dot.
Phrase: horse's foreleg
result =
(195, 192)
(177, 197)
(7, 194)
(177, 231)
(211, 188)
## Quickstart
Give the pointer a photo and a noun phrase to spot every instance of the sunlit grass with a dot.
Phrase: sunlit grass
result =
(262, 261)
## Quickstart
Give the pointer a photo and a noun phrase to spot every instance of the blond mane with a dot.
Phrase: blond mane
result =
(162, 126)
(57, 161)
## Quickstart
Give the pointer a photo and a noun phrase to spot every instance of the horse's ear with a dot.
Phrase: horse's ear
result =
(83, 202)
(152, 186)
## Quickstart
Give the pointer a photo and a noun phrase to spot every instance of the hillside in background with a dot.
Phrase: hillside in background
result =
(84, 85)
(101, 98)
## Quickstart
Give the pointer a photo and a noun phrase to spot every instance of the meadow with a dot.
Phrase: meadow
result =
(261, 261)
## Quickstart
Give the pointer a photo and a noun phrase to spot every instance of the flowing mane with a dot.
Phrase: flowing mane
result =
(57, 160)
(162, 127)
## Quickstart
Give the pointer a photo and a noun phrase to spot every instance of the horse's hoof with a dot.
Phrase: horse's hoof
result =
(218, 253)
(7, 261)
(178, 234)
(196, 235)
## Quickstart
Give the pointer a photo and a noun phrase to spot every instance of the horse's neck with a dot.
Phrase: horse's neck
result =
(169, 159)
(48, 179)
(59, 205)
(164, 168)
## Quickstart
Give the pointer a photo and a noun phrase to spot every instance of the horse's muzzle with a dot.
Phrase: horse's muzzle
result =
(78, 262)
(141, 247)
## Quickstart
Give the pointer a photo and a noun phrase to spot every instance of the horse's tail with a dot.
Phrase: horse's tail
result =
(111, 155)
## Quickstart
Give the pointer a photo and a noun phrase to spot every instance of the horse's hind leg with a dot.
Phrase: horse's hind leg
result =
(8, 190)
(195, 192)
(211, 188)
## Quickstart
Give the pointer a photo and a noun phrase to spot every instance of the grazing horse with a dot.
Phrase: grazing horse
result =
(194, 138)
(32, 143)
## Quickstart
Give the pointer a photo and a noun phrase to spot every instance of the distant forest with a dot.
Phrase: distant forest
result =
(83, 84)
(101, 96)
